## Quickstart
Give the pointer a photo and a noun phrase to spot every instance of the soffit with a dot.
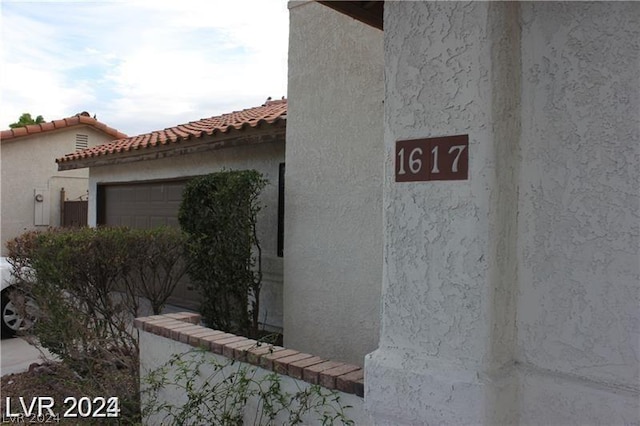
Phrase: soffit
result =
(369, 12)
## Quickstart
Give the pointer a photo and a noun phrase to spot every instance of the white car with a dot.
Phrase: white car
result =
(11, 321)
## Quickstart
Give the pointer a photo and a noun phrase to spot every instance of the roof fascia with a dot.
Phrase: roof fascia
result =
(275, 133)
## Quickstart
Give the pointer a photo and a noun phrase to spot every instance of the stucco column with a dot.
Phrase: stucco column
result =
(333, 196)
(449, 280)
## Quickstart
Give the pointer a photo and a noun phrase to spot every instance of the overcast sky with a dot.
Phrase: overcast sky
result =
(141, 65)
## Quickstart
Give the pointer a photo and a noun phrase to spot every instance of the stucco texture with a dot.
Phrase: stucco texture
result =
(579, 259)
(447, 334)
(512, 297)
(442, 269)
(156, 352)
(29, 163)
(333, 213)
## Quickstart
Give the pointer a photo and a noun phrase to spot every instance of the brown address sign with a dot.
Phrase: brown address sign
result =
(444, 158)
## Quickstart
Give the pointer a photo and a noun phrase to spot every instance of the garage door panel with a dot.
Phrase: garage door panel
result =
(141, 222)
(142, 205)
(156, 193)
(155, 222)
(123, 221)
(128, 221)
(174, 192)
(148, 205)
(173, 222)
(128, 194)
(142, 194)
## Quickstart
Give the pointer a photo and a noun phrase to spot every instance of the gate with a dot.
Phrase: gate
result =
(75, 213)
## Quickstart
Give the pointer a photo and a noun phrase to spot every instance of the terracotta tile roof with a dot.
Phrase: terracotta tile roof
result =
(76, 120)
(270, 112)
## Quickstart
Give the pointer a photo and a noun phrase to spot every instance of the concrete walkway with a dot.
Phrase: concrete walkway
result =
(16, 355)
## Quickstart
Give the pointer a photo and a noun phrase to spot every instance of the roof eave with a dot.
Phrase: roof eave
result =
(49, 127)
(234, 138)
(369, 12)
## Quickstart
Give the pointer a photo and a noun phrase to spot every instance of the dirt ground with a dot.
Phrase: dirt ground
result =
(65, 387)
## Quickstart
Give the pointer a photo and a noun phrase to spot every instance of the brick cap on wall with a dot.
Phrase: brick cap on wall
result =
(184, 327)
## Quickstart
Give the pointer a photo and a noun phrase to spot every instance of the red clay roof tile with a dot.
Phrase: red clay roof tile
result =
(20, 131)
(268, 113)
(45, 127)
(33, 129)
(72, 121)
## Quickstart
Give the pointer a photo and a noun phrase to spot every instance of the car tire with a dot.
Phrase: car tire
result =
(10, 319)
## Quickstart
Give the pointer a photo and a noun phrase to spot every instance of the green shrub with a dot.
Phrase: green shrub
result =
(219, 214)
(72, 276)
(157, 264)
(86, 283)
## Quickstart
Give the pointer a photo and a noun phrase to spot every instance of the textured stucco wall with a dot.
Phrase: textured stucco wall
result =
(447, 339)
(156, 351)
(29, 163)
(263, 157)
(512, 298)
(579, 259)
(333, 213)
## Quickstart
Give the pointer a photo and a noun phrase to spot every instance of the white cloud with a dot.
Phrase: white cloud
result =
(142, 65)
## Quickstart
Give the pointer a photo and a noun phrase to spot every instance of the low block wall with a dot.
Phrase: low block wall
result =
(163, 336)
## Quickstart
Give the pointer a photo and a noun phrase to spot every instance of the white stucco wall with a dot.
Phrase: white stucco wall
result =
(333, 213)
(513, 297)
(447, 339)
(579, 258)
(29, 163)
(264, 158)
(156, 351)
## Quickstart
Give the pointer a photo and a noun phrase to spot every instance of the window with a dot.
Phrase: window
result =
(281, 211)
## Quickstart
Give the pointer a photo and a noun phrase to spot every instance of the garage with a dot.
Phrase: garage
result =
(145, 205)
(138, 182)
(140, 205)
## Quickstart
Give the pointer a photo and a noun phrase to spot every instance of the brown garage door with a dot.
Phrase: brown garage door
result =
(146, 205)
(140, 205)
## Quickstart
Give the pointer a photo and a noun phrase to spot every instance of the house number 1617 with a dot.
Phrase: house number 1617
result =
(445, 158)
